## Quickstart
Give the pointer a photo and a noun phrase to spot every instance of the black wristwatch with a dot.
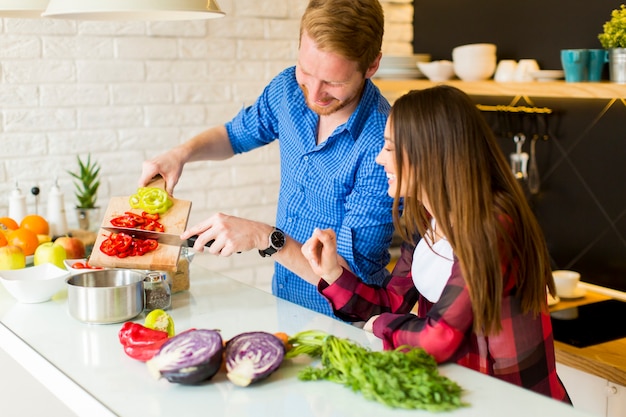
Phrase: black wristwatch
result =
(276, 240)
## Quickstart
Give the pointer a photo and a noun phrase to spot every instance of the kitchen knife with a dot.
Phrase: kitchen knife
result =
(163, 238)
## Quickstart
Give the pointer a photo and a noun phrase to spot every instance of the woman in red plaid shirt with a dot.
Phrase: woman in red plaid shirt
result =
(479, 274)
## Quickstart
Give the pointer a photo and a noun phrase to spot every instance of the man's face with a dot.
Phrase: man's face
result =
(330, 82)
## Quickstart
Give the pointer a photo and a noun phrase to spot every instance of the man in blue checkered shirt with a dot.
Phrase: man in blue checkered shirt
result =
(329, 119)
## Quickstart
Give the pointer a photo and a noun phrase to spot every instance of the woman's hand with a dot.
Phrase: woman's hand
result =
(321, 252)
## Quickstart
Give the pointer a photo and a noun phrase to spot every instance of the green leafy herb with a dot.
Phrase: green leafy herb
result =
(402, 378)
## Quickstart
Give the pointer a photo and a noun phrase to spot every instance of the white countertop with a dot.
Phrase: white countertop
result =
(86, 368)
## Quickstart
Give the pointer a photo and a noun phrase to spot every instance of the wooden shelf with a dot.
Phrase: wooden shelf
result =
(394, 88)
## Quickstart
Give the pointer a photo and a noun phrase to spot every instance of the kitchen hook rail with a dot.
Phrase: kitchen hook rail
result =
(515, 109)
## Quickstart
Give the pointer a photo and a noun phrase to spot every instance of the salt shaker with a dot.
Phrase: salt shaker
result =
(17, 204)
(158, 294)
(56, 211)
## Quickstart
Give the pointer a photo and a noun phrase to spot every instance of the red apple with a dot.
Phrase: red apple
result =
(50, 252)
(74, 247)
(12, 257)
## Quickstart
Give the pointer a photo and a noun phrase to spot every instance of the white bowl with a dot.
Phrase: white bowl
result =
(475, 70)
(437, 70)
(474, 49)
(34, 284)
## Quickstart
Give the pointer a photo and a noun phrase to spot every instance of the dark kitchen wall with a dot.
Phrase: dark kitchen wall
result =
(536, 29)
(581, 204)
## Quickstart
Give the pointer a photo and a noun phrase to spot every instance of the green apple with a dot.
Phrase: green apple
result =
(50, 252)
(12, 257)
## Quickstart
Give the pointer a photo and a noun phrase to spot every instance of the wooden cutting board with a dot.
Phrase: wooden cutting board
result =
(164, 258)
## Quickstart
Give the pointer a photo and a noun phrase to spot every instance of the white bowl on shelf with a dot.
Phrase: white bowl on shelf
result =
(474, 50)
(474, 62)
(475, 70)
(34, 284)
(442, 70)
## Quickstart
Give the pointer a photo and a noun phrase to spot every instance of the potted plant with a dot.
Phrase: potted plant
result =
(613, 39)
(86, 190)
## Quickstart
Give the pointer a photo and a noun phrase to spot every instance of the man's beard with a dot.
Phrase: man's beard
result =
(327, 110)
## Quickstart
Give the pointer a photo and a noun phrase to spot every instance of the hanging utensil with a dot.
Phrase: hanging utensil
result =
(519, 159)
(534, 180)
(533, 170)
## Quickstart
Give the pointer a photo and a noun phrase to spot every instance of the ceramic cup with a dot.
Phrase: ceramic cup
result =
(505, 71)
(597, 59)
(575, 64)
(524, 70)
(566, 283)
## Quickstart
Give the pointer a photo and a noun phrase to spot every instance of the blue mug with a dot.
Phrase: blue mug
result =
(597, 59)
(575, 64)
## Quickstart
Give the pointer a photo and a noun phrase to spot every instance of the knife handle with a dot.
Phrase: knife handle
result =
(192, 240)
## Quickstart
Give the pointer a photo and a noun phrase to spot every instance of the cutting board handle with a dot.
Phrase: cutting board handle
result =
(157, 181)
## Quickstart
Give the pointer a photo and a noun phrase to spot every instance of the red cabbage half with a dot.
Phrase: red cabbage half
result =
(253, 356)
(189, 357)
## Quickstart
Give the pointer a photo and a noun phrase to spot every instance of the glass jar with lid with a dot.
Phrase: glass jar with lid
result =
(157, 291)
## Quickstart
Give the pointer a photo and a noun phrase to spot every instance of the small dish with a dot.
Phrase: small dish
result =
(547, 75)
(69, 265)
(578, 293)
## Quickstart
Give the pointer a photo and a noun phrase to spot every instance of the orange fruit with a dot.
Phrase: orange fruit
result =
(25, 239)
(36, 224)
(7, 223)
(3, 240)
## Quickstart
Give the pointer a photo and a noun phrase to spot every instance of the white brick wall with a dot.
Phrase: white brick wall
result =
(125, 91)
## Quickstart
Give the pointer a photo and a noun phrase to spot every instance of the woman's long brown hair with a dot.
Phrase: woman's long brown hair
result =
(447, 152)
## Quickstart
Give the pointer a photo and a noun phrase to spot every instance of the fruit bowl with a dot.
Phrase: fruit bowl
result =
(34, 284)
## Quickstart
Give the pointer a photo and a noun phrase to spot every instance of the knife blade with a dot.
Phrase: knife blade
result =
(163, 238)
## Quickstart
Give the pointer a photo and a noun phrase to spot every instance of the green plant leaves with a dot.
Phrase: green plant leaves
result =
(88, 182)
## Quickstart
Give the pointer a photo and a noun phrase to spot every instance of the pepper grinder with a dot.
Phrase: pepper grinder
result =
(17, 204)
(35, 191)
(56, 211)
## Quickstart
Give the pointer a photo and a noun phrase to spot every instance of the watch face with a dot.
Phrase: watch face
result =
(278, 239)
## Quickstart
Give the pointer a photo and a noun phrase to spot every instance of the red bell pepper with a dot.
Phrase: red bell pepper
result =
(140, 342)
(123, 245)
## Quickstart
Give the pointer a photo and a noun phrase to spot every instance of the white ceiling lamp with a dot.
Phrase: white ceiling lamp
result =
(22, 8)
(133, 9)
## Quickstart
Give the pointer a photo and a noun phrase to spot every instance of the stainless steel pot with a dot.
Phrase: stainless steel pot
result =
(105, 296)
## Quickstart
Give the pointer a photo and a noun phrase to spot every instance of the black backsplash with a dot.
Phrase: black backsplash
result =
(581, 205)
(536, 29)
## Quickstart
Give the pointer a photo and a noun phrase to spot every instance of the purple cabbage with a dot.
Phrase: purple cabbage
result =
(189, 358)
(253, 356)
